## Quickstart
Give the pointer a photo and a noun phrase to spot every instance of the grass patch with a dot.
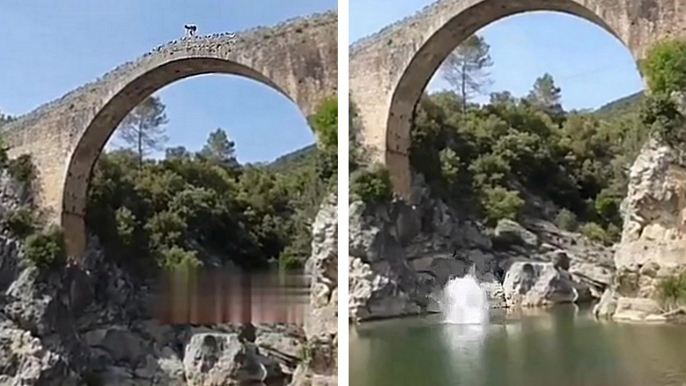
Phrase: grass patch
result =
(671, 291)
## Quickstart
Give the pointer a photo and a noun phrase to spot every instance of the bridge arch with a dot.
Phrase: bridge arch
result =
(391, 69)
(298, 59)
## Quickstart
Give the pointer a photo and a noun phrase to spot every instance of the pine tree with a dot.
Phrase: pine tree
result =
(143, 129)
(220, 149)
(546, 96)
(177, 152)
(465, 68)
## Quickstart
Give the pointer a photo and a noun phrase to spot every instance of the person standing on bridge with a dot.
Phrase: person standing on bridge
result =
(191, 29)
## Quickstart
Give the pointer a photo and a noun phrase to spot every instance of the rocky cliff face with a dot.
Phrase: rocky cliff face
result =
(91, 325)
(402, 255)
(653, 244)
(321, 326)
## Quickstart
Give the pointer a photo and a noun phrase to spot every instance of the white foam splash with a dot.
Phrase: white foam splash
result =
(464, 301)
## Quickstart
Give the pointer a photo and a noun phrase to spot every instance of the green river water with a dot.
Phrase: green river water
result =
(563, 346)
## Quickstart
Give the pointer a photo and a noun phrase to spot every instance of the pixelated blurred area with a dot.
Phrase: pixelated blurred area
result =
(205, 297)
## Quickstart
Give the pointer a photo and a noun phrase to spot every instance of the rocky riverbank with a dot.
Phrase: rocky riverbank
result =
(401, 256)
(89, 324)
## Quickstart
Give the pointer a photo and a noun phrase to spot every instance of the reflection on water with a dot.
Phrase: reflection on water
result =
(464, 344)
(564, 346)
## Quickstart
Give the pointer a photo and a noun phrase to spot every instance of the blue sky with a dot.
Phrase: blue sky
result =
(590, 65)
(50, 47)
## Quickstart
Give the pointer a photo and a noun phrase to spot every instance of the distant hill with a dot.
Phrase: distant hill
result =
(621, 105)
(294, 159)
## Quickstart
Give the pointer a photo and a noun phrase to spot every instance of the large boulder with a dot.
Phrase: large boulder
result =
(120, 343)
(374, 296)
(511, 232)
(531, 284)
(495, 293)
(222, 360)
(607, 305)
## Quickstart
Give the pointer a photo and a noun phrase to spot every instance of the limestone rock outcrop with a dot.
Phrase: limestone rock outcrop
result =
(653, 244)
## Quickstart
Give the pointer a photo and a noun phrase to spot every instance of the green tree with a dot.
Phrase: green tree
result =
(465, 68)
(177, 152)
(664, 67)
(372, 185)
(143, 129)
(546, 96)
(661, 116)
(220, 149)
(500, 203)
(502, 99)
(324, 123)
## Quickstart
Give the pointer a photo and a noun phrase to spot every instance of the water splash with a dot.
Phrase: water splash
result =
(464, 301)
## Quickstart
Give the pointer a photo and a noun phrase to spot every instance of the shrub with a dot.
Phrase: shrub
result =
(46, 249)
(607, 206)
(288, 260)
(126, 224)
(450, 165)
(664, 66)
(595, 232)
(566, 220)
(614, 233)
(326, 164)
(671, 290)
(166, 229)
(371, 186)
(660, 114)
(324, 123)
(22, 169)
(499, 203)
(179, 259)
(21, 222)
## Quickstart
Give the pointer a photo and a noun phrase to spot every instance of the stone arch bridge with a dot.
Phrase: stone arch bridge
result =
(390, 69)
(298, 58)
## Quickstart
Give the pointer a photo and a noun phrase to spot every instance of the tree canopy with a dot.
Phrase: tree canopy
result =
(205, 208)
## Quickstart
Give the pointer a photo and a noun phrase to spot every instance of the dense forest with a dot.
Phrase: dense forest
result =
(198, 208)
(497, 159)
